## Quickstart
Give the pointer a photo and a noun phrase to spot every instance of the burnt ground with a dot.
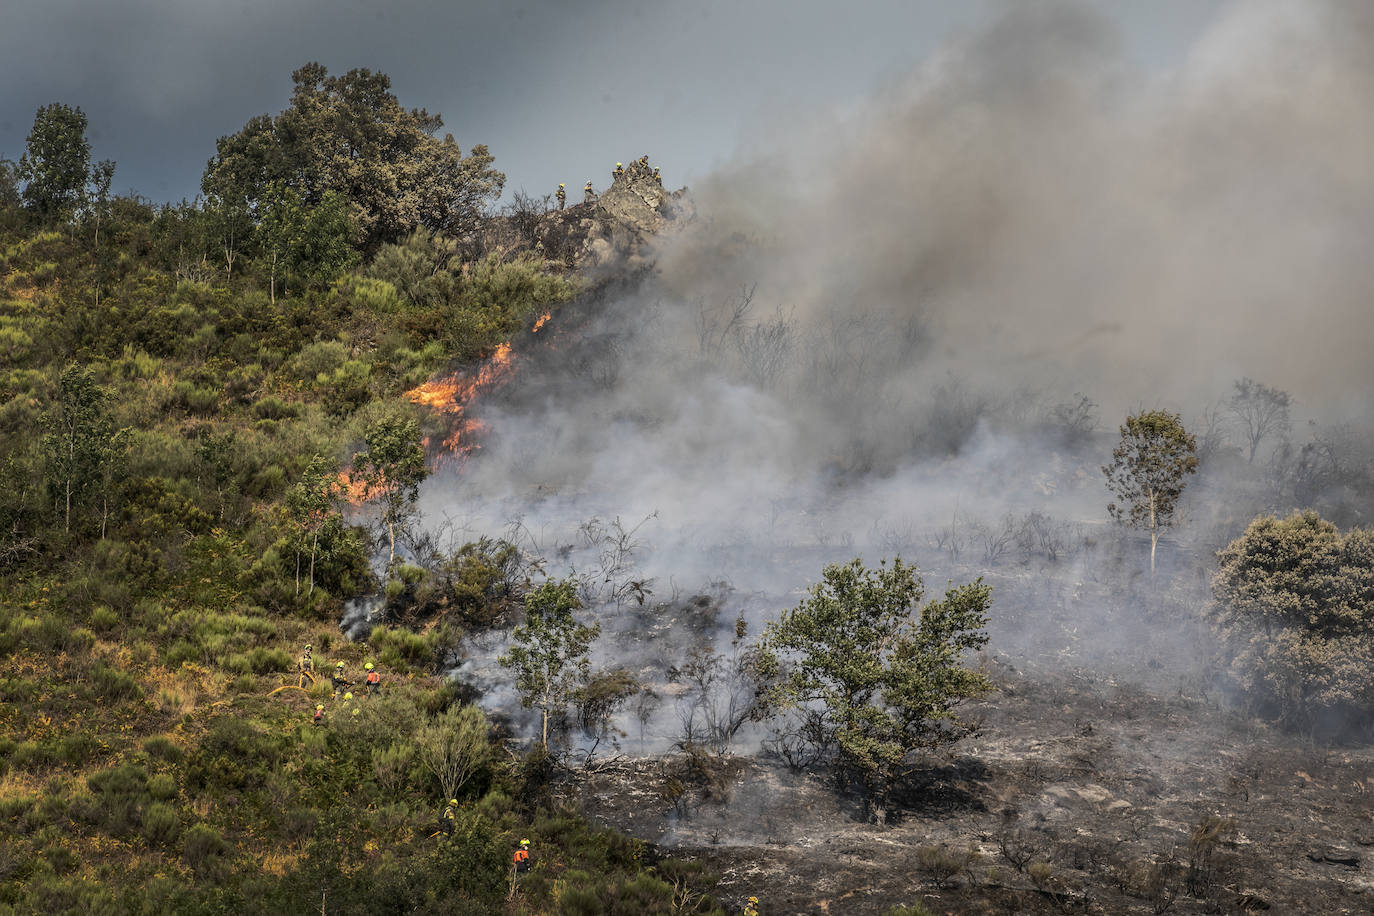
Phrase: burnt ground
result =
(1083, 794)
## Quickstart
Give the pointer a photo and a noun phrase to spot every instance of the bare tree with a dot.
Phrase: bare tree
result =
(721, 693)
(765, 347)
(1259, 411)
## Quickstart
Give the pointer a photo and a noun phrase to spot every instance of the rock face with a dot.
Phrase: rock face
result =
(620, 227)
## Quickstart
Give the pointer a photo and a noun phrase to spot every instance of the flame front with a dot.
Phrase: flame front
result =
(450, 397)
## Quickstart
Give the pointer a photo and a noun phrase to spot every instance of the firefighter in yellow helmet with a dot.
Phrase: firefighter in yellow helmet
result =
(449, 817)
(657, 177)
(619, 170)
(752, 907)
(588, 195)
(562, 196)
(522, 857)
(306, 668)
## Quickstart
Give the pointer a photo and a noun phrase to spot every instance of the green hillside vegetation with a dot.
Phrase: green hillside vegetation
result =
(181, 387)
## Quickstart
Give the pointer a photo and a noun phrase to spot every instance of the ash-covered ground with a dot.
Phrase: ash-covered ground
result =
(1137, 791)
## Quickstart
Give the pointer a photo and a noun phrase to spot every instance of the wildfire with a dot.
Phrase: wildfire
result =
(352, 490)
(451, 397)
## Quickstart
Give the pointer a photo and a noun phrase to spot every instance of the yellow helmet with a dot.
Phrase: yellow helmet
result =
(453, 801)
(524, 842)
(560, 184)
(319, 707)
(368, 666)
(619, 164)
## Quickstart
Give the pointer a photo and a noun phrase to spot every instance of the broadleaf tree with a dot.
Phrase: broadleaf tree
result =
(880, 674)
(390, 471)
(81, 444)
(350, 135)
(56, 164)
(549, 653)
(1147, 472)
(312, 502)
(1259, 411)
(1294, 609)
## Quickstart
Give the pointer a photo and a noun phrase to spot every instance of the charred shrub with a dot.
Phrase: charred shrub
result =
(942, 864)
(1203, 844)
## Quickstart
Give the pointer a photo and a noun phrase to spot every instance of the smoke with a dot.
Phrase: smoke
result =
(896, 331)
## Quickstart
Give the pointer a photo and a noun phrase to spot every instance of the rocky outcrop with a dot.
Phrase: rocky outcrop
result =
(620, 227)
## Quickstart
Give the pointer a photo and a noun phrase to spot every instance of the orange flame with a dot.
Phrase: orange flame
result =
(451, 397)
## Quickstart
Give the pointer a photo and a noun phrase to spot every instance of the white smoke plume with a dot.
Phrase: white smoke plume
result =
(940, 286)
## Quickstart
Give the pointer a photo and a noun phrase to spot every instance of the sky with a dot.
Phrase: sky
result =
(558, 91)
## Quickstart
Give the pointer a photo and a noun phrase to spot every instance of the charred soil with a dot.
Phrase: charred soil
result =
(1084, 794)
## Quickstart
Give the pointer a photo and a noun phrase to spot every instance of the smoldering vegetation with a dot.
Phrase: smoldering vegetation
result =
(912, 329)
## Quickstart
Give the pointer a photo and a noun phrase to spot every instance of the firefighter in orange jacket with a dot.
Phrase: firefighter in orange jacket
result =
(374, 679)
(522, 857)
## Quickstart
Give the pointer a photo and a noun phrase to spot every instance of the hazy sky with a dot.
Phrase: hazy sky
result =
(559, 91)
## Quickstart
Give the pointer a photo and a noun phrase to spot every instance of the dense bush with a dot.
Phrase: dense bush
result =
(1294, 607)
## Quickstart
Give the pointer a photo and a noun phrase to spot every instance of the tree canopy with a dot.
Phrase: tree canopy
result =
(1147, 471)
(883, 673)
(56, 164)
(1294, 605)
(350, 135)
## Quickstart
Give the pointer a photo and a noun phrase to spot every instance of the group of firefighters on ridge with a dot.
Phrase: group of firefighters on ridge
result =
(306, 670)
(640, 165)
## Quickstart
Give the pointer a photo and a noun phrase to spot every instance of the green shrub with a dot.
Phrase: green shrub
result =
(234, 754)
(104, 620)
(30, 755)
(274, 408)
(109, 683)
(77, 749)
(162, 748)
(122, 791)
(204, 851)
(1294, 607)
(260, 660)
(319, 358)
(162, 786)
(50, 634)
(161, 824)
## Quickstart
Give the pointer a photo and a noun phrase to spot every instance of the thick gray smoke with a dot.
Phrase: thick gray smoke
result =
(895, 332)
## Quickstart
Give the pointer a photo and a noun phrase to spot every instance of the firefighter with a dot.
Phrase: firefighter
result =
(306, 667)
(319, 714)
(658, 179)
(644, 162)
(562, 196)
(338, 678)
(588, 195)
(619, 170)
(522, 857)
(752, 907)
(449, 817)
(374, 679)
